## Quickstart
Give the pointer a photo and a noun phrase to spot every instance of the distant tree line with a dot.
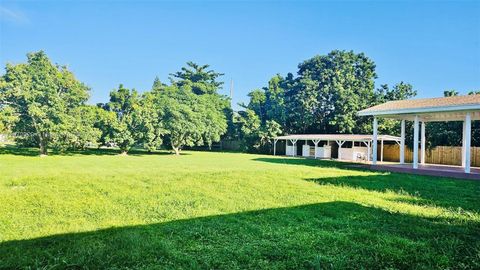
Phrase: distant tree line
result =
(45, 106)
(324, 97)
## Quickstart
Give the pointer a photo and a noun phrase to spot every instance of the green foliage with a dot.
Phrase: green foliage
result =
(229, 211)
(149, 125)
(8, 118)
(275, 108)
(384, 94)
(190, 119)
(44, 98)
(124, 103)
(330, 90)
(474, 92)
(78, 131)
(267, 133)
(257, 136)
(450, 133)
(324, 98)
(192, 111)
(198, 78)
(450, 93)
(249, 123)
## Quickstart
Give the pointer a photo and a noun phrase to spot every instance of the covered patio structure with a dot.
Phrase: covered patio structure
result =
(359, 145)
(422, 111)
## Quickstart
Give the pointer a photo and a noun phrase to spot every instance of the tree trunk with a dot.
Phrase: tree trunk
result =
(43, 146)
(176, 149)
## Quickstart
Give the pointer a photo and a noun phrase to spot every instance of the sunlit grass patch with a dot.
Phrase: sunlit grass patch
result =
(229, 210)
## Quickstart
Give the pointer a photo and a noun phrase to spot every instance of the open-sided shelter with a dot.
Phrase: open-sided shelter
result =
(422, 111)
(359, 145)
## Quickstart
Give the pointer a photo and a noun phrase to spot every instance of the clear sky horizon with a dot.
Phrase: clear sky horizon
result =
(435, 46)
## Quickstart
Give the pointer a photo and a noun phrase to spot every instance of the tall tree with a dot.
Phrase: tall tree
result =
(257, 103)
(330, 90)
(275, 108)
(150, 128)
(44, 97)
(124, 103)
(192, 111)
(189, 119)
(198, 77)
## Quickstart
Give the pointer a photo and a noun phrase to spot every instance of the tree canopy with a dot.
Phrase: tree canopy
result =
(45, 106)
(45, 100)
(324, 98)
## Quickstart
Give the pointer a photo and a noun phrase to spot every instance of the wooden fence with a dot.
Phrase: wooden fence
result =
(448, 155)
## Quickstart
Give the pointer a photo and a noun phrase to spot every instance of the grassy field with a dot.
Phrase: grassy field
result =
(228, 211)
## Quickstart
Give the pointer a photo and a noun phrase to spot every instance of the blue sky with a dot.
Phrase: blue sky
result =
(434, 46)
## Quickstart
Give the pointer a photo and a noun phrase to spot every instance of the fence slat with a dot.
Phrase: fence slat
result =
(447, 155)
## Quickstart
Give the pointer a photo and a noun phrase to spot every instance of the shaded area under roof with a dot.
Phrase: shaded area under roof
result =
(337, 137)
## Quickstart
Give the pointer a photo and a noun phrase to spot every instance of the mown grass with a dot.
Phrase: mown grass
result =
(228, 211)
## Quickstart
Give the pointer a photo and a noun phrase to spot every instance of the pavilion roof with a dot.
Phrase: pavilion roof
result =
(339, 137)
(425, 105)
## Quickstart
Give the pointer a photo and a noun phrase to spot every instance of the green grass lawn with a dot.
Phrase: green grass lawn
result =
(228, 211)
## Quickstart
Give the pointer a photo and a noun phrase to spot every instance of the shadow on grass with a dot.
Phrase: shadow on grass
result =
(334, 235)
(25, 151)
(427, 190)
(305, 162)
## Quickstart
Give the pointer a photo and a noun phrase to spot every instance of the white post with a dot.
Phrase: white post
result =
(422, 153)
(463, 143)
(316, 146)
(294, 148)
(375, 135)
(275, 147)
(286, 146)
(340, 143)
(415, 143)
(381, 151)
(468, 135)
(368, 151)
(339, 152)
(402, 143)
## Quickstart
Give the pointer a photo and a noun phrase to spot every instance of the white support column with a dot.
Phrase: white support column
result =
(340, 143)
(316, 141)
(468, 138)
(402, 143)
(463, 143)
(415, 143)
(286, 146)
(294, 142)
(375, 141)
(368, 149)
(381, 151)
(422, 142)
(275, 147)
